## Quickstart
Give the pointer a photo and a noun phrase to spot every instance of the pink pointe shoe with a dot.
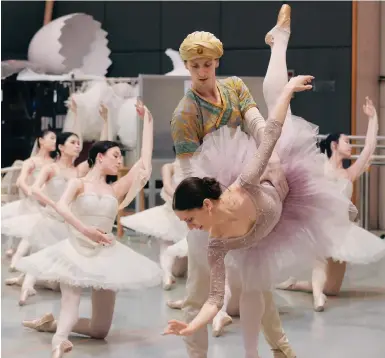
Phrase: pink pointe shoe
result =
(63, 347)
(283, 23)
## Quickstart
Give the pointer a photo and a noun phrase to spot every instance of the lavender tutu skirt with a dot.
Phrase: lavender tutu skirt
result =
(315, 214)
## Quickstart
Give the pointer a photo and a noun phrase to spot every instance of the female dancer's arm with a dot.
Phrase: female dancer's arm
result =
(131, 184)
(83, 168)
(45, 175)
(251, 175)
(26, 170)
(74, 188)
(355, 170)
(167, 173)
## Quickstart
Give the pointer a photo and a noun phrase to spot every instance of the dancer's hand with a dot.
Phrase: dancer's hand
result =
(71, 105)
(140, 110)
(103, 111)
(97, 235)
(300, 83)
(178, 328)
(369, 108)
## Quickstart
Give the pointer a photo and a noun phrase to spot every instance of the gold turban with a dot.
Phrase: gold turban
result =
(200, 44)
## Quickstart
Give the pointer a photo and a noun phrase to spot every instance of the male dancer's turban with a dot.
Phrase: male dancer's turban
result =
(200, 44)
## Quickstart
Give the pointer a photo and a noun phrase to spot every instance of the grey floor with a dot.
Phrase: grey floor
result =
(353, 326)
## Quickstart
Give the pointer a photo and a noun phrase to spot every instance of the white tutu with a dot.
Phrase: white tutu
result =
(179, 249)
(19, 226)
(160, 222)
(10, 209)
(115, 267)
(359, 247)
(49, 229)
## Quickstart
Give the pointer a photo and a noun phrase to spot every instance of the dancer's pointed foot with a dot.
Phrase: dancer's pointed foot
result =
(283, 23)
(176, 305)
(25, 293)
(284, 349)
(18, 281)
(287, 285)
(44, 324)
(63, 347)
(319, 303)
(168, 282)
(221, 320)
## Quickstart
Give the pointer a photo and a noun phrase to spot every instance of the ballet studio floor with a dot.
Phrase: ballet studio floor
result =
(353, 325)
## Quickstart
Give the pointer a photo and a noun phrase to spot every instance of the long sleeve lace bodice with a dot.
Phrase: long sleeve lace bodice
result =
(268, 207)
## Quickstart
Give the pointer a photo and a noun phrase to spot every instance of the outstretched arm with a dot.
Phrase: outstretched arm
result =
(37, 188)
(209, 310)
(255, 168)
(131, 184)
(167, 173)
(363, 161)
(26, 171)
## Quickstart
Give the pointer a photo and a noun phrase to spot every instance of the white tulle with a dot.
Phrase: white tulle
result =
(178, 64)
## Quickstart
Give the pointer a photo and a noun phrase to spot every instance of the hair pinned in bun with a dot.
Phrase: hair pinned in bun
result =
(191, 193)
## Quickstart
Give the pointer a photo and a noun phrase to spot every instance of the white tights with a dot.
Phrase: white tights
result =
(103, 304)
(22, 250)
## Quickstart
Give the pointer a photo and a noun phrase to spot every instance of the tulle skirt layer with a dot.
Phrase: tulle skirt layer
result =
(159, 222)
(315, 215)
(80, 262)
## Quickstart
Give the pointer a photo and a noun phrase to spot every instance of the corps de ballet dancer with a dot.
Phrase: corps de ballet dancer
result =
(91, 256)
(51, 183)
(360, 246)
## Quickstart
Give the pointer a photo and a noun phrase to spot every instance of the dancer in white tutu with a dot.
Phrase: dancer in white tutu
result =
(360, 246)
(91, 256)
(49, 186)
(208, 105)
(10, 224)
(162, 223)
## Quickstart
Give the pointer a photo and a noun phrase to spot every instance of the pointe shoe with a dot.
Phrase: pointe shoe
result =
(18, 281)
(43, 324)
(168, 282)
(219, 323)
(12, 268)
(63, 347)
(319, 303)
(176, 305)
(283, 22)
(277, 353)
(25, 294)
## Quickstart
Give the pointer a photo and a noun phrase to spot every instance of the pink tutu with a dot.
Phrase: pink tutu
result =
(315, 215)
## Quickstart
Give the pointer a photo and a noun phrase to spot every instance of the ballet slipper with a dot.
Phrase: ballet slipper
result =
(221, 320)
(284, 349)
(17, 281)
(176, 305)
(287, 285)
(43, 324)
(319, 303)
(283, 23)
(25, 293)
(63, 347)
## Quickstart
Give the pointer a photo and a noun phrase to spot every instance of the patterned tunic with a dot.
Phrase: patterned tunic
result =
(195, 117)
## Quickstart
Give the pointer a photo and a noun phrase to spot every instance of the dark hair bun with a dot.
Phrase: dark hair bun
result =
(213, 187)
(90, 162)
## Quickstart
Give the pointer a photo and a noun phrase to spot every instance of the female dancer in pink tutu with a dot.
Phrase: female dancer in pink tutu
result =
(260, 234)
